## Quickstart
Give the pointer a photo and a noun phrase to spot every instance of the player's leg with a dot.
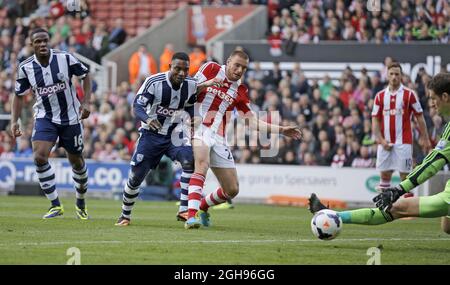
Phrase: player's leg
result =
(227, 205)
(201, 152)
(365, 216)
(71, 139)
(424, 207)
(43, 139)
(80, 182)
(437, 205)
(229, 189)
(385, 164)
(148, 153)
(385, 179)
(404, 162)
(223, 167)
(184, 155)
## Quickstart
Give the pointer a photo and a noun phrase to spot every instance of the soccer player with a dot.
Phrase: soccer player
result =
(209, 142)
(391, 124)
(159, 105)
(390, 207)
(57, 114)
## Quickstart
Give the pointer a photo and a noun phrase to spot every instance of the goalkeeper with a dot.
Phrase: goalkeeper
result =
(390, 207)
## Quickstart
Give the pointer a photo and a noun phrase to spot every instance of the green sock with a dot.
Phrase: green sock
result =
(365, 217)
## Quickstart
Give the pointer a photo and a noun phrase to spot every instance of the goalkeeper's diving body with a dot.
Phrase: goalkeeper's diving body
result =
(390, 205)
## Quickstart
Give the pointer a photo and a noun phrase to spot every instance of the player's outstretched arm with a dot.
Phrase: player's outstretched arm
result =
(289, 131)
(432, 164)
(17, 104)
(84, 108)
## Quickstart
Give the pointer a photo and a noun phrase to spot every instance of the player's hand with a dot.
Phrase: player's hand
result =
(426, 145)
(15, 130)
(387, 197)
(387, 146)
(216, 82)
(154, 124)
(84, 111)
(293, 132)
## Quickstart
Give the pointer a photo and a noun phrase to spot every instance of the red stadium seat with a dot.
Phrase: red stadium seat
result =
(116, 6)
(102, 15)
(131, 31)
(171, 6)
(102, 7)
(116, 14)
(143, 14)
(158, 14)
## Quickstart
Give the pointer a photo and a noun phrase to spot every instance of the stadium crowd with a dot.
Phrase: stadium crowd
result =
(335, 118)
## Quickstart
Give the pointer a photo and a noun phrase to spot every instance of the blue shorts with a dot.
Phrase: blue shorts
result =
(151, 147)
(70, 137)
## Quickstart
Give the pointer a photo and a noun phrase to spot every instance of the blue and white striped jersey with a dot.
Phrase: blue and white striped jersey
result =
(157, 99)
(55, 94)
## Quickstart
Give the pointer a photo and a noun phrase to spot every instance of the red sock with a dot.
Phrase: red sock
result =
(215, 198)
(195, 193)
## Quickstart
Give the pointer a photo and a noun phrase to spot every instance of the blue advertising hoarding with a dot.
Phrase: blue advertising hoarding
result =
(103, 176)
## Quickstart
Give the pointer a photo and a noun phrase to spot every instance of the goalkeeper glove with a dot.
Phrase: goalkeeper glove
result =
(387, 197)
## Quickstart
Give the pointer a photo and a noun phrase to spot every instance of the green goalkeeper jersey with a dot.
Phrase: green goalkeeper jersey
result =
(432, 163)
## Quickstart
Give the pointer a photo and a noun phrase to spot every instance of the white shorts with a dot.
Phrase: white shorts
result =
(398, 158)
(220, 155)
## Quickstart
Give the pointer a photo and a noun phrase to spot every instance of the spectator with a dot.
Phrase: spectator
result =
(363, 160)
(118, 35)
(275, 41)
(141, 64)
(339, 158)
(325, 87)
(166, 58)
(197, 58)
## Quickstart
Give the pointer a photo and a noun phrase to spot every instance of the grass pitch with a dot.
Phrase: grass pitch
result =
(248, 234)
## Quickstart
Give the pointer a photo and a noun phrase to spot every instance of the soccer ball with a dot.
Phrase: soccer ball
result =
(326, 224)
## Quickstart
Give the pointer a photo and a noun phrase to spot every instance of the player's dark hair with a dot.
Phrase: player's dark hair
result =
(181, 56)
(239, 53)
(440, 83)
(394, 64)
(38, 30)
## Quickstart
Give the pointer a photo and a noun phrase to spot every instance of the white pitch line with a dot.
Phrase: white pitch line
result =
(54, 243)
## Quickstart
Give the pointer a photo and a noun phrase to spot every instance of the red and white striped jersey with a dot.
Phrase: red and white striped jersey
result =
(215, 104)
(394, 111)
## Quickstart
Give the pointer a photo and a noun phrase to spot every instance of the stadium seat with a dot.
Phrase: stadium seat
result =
(102, 15)
(102, 7)
(171, 6)
(144, 14)
(158, 14)
(116, 14)
(116, 7)
(131, 31)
